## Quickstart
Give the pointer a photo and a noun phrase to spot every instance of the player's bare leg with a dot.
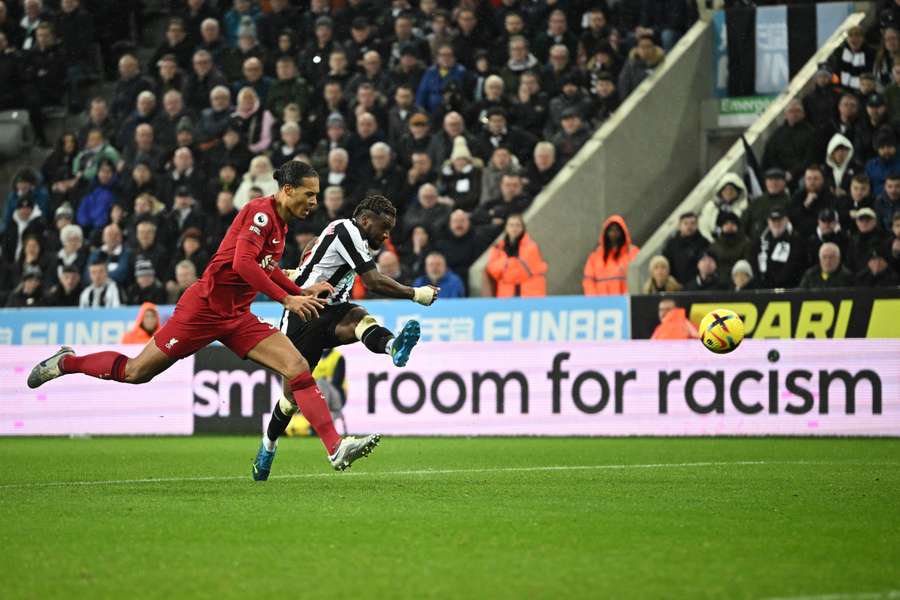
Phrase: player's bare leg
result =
(277, 353)
(102, 365)
(360, 325)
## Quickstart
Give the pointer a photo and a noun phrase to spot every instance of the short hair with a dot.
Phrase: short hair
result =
(377, 205)
(69, 231)
(186, 264)
(437, 253)
(816, 167)
(861, 178)
(379, 146)
(830, 246)
(687, 215)
(290, 126)
(293, 172)
(892, 177)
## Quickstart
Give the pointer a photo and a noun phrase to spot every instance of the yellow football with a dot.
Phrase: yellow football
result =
(721, 331)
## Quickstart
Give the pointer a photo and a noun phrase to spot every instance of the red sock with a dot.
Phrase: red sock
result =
(313, 406)
(102, 365)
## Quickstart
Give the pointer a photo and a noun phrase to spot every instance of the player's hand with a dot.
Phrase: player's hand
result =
(323, 289)
(305, 307)
(426, 294)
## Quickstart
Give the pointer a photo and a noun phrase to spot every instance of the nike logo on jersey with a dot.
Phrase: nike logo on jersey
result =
(276, 241)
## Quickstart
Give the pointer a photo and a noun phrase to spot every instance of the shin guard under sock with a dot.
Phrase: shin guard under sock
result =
(102, 365)
(313, 406)
(373, 336)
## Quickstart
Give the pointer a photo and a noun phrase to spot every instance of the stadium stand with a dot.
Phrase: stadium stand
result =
(170, 118)
(828, 211)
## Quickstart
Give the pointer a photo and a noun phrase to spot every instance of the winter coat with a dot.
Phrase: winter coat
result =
(728, 250)
(464, 186)
(517, 271)
(683, 254)
(706, 222)
(779, 261)
(878, 169)
(790, 148)
(636, 70)
(93, 210)
(451, 285)
(675, 326)
(670, 285)
(137, 334)
(756, 216)
(804, 218)
(41, 201)
(884, 210)
(606, 270)
(430, 93)
(815, 241)
(839, 176)
(814, 278)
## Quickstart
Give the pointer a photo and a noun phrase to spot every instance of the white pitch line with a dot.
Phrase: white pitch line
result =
(426, 472)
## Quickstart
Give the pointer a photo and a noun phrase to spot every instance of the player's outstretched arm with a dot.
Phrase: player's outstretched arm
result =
(385, 286)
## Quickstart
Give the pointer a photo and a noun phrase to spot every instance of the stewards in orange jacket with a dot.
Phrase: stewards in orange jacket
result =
(145, 325)
(515, 266)
(606, 269)
(673, 323)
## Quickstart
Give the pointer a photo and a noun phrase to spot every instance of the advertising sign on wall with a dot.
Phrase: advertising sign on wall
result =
(79, 405)
(557, 318)
(784, 387)
(848, 313)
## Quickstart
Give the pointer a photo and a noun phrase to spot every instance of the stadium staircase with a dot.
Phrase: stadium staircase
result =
(734, 159)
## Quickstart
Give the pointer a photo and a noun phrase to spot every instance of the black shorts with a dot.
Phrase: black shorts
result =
(312, 338)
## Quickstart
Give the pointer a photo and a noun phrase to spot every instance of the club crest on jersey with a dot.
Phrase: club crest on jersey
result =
(260, 219)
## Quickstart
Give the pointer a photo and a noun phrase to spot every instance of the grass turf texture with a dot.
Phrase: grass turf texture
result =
(779, 529)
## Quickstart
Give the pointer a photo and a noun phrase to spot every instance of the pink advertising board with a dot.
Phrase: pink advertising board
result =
(766, 387)
(79, 405)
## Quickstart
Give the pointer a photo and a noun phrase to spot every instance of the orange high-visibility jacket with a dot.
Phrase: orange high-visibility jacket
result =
(521, 275)
(606, 274)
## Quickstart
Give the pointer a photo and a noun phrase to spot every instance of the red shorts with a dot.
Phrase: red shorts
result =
(194, 325)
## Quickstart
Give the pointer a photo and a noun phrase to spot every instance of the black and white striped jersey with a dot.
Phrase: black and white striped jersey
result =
(340, 253)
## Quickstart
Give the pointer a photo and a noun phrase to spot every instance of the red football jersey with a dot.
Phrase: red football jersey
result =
(258, 222)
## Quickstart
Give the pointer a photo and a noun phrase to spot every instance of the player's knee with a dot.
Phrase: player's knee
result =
(294, 366)
(137, 373)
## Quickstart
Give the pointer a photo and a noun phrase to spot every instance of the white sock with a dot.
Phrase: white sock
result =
(388, 346)
(269, 444)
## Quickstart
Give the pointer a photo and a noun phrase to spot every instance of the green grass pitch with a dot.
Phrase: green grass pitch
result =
(452, 518)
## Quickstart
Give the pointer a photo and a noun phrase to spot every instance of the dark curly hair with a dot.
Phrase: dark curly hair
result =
(293, 172)
(377, 205)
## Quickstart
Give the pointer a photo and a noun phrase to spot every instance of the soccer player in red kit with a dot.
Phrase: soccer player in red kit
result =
(217, 307)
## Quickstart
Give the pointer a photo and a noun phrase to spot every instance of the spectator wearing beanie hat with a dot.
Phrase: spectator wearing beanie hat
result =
(146, 286)
(460, 177)
(730, 244)
(828, 229)
(878, 271)
(707, 277)
(886, 163)
(742, 277)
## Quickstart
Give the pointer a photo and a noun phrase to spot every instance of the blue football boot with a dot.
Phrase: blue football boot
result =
(404, 343)
(263, 463)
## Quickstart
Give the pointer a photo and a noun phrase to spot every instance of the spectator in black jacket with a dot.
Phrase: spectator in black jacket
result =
(572, 136)
(29, 292)
(381, 176)
(868, 236)
(542, 169)
(203, 78)
(459, 244)
(780, 253)
(821, 103)
(828, 272)
(791, 146)
(45, 67)
(184, 215)
(146, 286)
(67, 290)
(707, 277)
(809, 201)
(148, 246)
(221, 220)
(684, 248)
(878, 272)
(498, 132)
(177, 44)
(130, 83)
(75, 32)
(828, 230)
(490, 217)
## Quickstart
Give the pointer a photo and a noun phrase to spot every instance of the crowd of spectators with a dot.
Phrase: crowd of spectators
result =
(829, 212)
(460, 112)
